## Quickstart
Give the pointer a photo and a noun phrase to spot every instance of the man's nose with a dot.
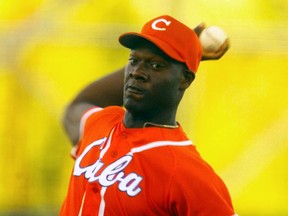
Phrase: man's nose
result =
(139, 73)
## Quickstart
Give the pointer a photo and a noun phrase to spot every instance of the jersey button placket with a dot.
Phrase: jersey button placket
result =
(94, 187)
(114, 153)
(124, 135)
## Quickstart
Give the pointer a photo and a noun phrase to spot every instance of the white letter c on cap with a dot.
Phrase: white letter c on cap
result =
(167, 23)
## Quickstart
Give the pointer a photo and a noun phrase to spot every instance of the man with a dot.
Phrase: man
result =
(137, 160)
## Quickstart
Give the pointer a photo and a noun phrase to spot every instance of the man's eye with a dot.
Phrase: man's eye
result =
(156, 66)
(132, 61)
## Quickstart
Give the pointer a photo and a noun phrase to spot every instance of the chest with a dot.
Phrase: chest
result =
(127, 178)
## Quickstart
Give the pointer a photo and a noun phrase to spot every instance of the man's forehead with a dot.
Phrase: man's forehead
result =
(153, 49)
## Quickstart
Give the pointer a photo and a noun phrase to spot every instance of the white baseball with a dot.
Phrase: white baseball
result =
(211, 38)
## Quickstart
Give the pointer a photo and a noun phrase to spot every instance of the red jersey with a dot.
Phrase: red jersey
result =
(140, 171)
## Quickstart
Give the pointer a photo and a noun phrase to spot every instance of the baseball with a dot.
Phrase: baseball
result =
(211, 38)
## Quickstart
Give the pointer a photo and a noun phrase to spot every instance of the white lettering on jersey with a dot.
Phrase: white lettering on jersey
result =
(88, 171)
(111, 174)
(154, 24)
(114, 172)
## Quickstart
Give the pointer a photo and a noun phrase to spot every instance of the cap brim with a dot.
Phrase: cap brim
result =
(133, 39)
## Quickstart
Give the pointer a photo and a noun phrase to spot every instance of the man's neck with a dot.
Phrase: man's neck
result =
(138, 121)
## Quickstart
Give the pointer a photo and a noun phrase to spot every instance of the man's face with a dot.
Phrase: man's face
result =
(151, 82)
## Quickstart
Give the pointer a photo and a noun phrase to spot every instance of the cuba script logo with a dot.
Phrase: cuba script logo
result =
(111, 174)
(155, 27)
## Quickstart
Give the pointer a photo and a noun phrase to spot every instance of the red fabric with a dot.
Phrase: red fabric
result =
(173, 37)
(139, 174)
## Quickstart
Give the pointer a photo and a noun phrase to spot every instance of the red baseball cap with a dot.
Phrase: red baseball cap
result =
(173, 37)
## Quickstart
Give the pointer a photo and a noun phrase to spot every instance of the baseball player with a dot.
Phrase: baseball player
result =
(131, 155)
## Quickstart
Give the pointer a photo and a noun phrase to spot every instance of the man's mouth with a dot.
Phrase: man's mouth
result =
(134, 90)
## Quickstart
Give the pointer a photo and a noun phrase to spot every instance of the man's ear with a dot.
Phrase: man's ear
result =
(187, 79)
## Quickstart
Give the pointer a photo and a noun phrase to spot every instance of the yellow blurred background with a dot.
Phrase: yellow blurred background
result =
(236, 111)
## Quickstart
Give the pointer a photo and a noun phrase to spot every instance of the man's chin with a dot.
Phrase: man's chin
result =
(134, 107)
